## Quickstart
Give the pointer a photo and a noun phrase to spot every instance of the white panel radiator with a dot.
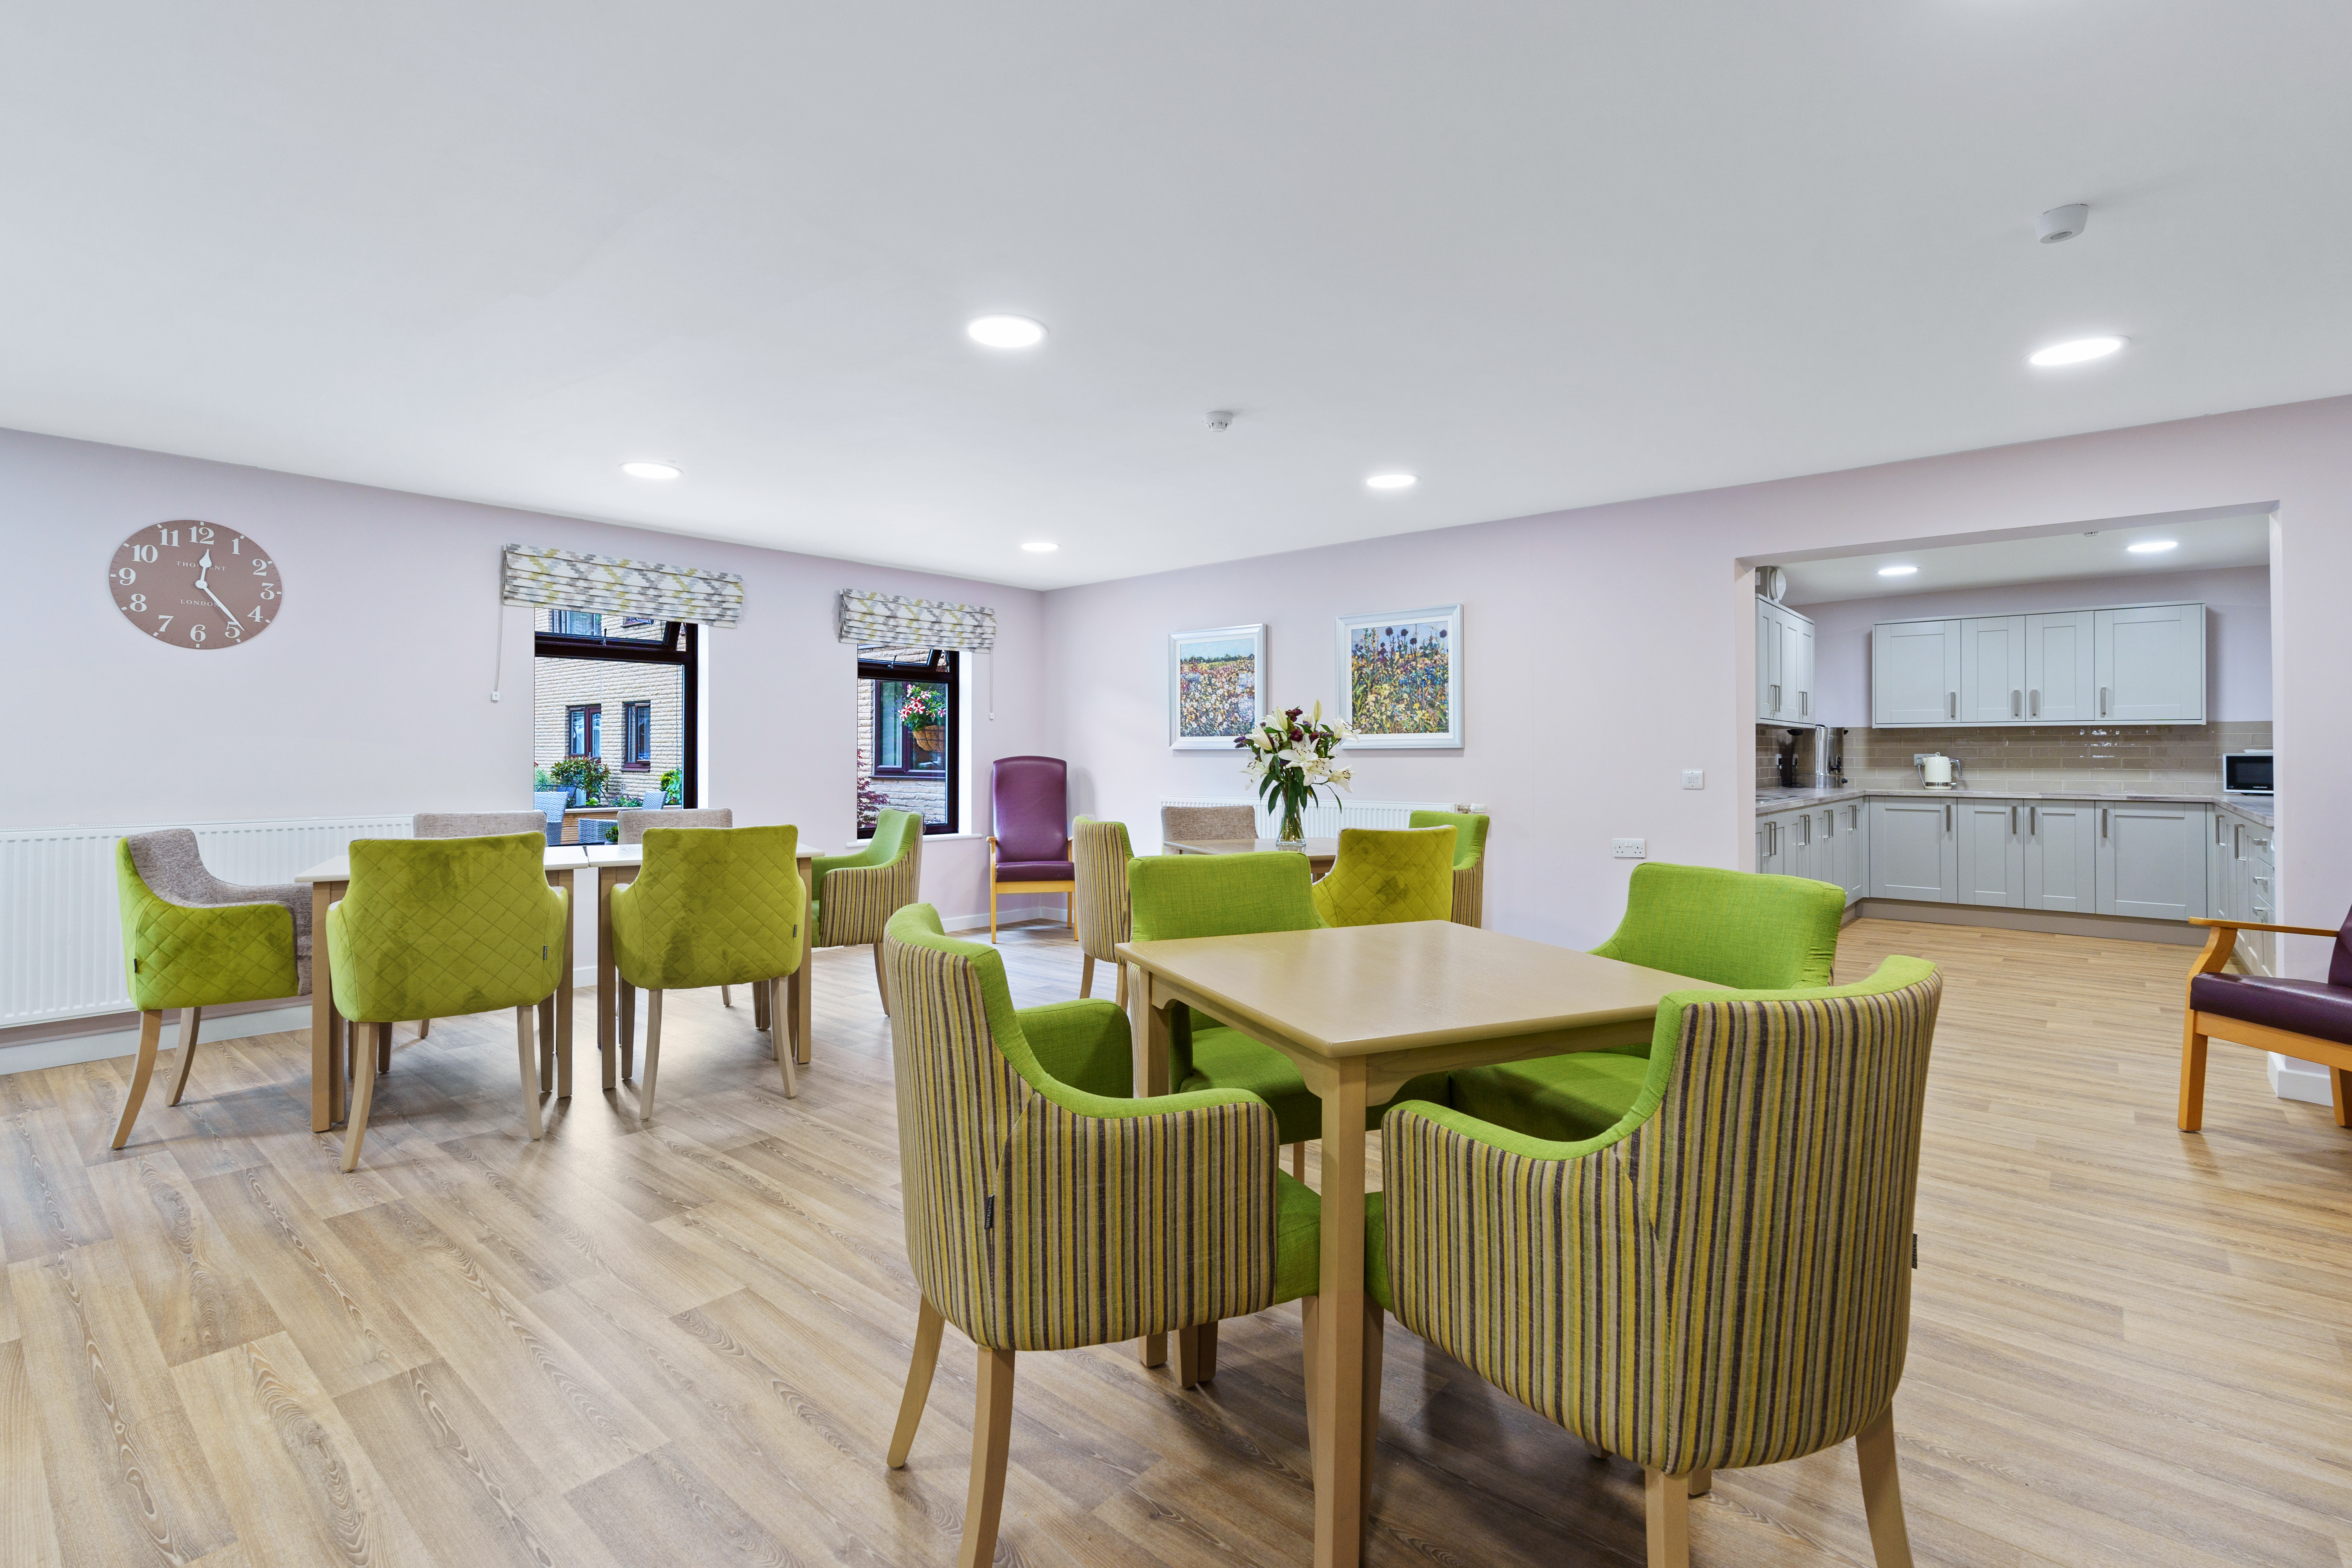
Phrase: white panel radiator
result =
(1325, 821)
(60, 933)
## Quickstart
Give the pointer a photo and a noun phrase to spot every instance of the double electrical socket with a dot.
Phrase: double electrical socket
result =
(1629, 849)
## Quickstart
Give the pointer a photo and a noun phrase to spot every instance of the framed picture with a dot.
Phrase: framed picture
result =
(1401, 678)
(1216, 686)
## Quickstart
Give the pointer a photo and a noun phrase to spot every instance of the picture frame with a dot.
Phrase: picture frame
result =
(1225, 669)
(1400, 678)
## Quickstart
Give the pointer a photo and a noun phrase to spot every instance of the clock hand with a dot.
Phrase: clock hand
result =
(205, 563)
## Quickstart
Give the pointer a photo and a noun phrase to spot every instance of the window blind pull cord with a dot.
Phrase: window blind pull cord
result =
(498, 658)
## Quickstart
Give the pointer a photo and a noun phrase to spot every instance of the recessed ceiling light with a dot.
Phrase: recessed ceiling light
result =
(1897, 571)
(1042, 546)
(2153, 546)
(651, 470)
(2074, 350)
(1005, 331)
(1392, 482)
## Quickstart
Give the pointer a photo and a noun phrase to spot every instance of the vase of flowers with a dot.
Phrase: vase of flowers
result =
(1291, 757)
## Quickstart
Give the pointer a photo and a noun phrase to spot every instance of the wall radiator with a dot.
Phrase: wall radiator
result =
(60, 933)
(1325, 821)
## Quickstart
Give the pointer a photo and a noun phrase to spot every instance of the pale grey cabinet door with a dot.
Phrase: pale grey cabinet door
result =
(1911, 852)
(1915, 672)
(1853, 836)
(1771, 844)
(2061, 675)
(2151, 664)
(1829, 847)
(1797, 857)
(2222, 870)
(2152, 860)
(1775, 698)
(2061, 858)
(1796, 662)
(1992, 670)
(1989, 842)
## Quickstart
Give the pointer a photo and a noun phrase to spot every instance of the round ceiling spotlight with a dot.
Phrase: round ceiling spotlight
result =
(2153, 546)
(1041, 546)
(2061, 223)
(1392, 482)
(646, 470)
(1897, 571)
(2074, 350)
(1004, 331)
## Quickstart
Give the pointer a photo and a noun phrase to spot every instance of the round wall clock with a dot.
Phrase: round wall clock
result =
(195, 584)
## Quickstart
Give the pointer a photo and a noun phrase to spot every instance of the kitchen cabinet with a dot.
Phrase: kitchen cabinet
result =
(1784, 666)
(1915, 672)
(1989, 849)
(1992, 670)
(2061, 675)
(2242, 863)
(1912, 852)
(2062, 845)
(1851, 823)
(2151, 860)
(2150, 663)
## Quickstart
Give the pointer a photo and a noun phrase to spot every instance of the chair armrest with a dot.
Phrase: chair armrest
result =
(991, 854)
(1086, 1044)
(2251, 925)
(189, 955)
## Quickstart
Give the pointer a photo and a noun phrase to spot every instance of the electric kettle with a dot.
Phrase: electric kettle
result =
(1938, 770)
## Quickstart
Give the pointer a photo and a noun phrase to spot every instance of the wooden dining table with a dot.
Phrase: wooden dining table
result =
(1320, 852)
(1359, 1010)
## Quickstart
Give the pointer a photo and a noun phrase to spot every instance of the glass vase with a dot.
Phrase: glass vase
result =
(1293, 831)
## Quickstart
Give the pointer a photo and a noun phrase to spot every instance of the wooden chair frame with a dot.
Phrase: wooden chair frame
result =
(1070, 888)
(2199, 1027)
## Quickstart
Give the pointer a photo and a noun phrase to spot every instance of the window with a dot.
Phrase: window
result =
(910, 745)
(636, 735)
(644, 672)
(583, 731)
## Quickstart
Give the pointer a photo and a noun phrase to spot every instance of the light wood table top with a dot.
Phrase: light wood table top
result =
(1324, 848)
(338, 868)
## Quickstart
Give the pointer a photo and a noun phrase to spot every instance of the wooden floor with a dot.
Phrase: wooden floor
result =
(684, 1343)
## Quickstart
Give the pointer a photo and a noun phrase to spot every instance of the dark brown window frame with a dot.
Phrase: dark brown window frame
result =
(943, 667)
(680, 645)
(634, 761)
(586, 721)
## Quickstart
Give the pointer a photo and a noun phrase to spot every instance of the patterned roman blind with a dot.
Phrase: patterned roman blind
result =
(895, 619)
(615, 586)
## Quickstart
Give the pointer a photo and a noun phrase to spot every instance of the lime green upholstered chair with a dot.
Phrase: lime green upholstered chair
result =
(1721, 1279)
(1730, 928)
(855, 895)
(191, 940)
(1045, 1209)
(1469, 860)
(1387, 876)
(711, 906)
(437, 928)
(1100, 851)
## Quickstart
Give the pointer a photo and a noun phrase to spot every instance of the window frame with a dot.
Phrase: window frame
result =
(633, 713)
(586, 721)
(680, 645)
(944, 667)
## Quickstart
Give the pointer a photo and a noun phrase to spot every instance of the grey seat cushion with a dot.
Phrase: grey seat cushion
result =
(635, 823)
(476, 824)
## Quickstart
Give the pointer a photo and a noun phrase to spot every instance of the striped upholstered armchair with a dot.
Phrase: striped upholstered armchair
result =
(852, 897)
(1722, 1280)
(1046, 1209)
(1100, 909)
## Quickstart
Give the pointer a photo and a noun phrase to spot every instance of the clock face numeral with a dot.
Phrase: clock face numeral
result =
(185, 582)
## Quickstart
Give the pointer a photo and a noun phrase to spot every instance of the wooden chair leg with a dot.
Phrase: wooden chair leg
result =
(628, 1031)
(1375, 1324)
(1700, 1482)
(726, 996)
(2339, 1087)
(1298, 1160)
(1882, 1493)
(778, 1011)
(383, 1049)
(150, 1030)
(1205, 1349)
(1188, 1357)
(526, 1060)
(881, 981)
(1665, 1501)
(547, 1041)
(189, 1019)
(363, 1098)
(1086, 975)
(992, 906)
(992, 1442)
(424, 1027)
(653, 1055)
(1122, 988)
(2192, 1076)
(928, 1326)
(1310, 1311)
(758, 1007)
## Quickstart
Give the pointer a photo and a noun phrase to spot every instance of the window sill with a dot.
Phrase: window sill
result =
(932, 837)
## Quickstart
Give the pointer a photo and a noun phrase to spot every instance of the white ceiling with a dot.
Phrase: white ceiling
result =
(1543, 256)
(2105, 553)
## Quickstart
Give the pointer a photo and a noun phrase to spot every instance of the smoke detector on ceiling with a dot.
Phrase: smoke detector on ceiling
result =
(2063, 222)
(1219, 418)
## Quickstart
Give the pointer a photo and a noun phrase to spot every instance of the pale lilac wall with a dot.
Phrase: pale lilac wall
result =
(2237, 601)
(1608, 648)
(371, 694)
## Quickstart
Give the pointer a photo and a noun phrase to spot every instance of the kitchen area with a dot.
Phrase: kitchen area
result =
(2069, 734)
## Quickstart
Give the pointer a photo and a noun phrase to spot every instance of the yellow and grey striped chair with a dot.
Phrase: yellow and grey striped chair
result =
(1104, 917)
(852, 897)
(1046, 1209)
(1722, 1280)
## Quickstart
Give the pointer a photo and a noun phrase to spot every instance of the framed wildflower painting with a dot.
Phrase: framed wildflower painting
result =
(1401, 678)
(1216, 687)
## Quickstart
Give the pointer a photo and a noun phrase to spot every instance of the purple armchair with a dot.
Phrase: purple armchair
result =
(2309, 1019)
(1030, 850)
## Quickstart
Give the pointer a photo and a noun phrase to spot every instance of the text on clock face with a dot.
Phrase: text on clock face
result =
(195, 584)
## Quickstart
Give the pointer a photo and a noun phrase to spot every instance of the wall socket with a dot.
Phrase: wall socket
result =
(1693, 778)
(1630, 848)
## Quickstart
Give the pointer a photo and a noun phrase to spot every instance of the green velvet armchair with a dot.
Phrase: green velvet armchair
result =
(1099, 851)
(1387, 876)
(437, 928)
(853, 896)
(1720, 1280)
(1046, 1209)
(711, 906)
(1730, 928)
(1469, 860)
(191, 940)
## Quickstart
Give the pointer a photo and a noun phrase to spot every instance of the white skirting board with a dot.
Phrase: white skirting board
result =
(2293, 1079)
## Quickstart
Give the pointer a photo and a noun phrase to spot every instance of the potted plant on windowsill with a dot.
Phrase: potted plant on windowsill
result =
(1291, 758)
(925, 713)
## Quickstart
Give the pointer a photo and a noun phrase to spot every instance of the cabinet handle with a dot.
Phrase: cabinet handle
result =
(2261, 881)
(2103, 822)
(1948, 816)
(1829, 823)
(1804, 704)
(2034, 703)
(2012, 819)
(2217, 830)
(1952, 704)
(2033, 822)
(2015, 708)
(2103, 701)
(1776, 700)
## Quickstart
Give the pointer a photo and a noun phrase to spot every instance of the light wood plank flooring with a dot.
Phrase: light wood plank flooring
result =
(684, 1343)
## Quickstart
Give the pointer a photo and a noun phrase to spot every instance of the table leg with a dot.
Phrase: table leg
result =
(1151, 1078)
(608, 1040)
(571, 886)
(1338, 1418)
(326, 1061)
(802, 981)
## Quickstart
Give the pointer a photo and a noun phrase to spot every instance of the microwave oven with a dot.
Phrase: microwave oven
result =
(2246, 773)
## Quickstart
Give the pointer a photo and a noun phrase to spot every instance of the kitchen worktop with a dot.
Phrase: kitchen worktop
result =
(1778, 798)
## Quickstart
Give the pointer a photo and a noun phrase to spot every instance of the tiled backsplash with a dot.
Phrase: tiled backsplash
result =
(2164, 759)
